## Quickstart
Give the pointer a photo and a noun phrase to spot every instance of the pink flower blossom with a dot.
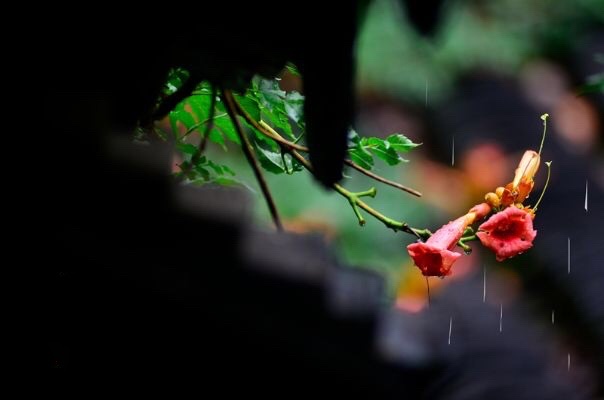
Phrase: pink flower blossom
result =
(508, 233)
(434, 257)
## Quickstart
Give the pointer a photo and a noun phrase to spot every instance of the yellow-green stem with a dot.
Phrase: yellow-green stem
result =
(544, 118)
(549, 169)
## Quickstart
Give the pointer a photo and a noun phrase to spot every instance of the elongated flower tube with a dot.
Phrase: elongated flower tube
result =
(435, 256)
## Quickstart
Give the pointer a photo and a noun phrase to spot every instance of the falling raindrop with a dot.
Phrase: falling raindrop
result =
(568, 362)
(428, 287)
(426, 93)
(553, 315)
(569, 255)
(586, 195)
(450, 326)
(453, 151)
(484, 283)
(501, 317)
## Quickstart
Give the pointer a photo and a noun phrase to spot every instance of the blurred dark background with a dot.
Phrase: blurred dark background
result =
(136, 280)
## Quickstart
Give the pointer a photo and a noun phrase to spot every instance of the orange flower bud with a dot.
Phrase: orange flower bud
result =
(492, 199)
(529, 164)
(508, 196)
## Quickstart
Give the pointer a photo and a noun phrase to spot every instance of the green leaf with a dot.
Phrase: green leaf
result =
(204, 173)
(272, 104)
(292, 69)
(204, 88)
(294, 107)
(186, 148)
(176, 78)
(200, 107)
(401, 143)
(381, 149)
(250, 104)
(388, 154)
(225, 126)
(216, 167)
(361, 157)
(221, 180)
(216, 137)
(270, 160)
(271, 95)
(228, 170)
(363, 149)
(173, 123)
(278, 120)
(353, 137)
(373, 142)
(220, 169)
(267, 142)
(225, 181)
(181, 115)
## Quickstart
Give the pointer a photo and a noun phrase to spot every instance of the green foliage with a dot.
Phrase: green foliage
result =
(277, 107)
(204, 170)
(176, 78)
(277, 162)
(263, 101)
(362, 150)
(292, 69)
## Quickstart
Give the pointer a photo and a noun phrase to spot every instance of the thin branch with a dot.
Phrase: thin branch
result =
(382, 179)
(205, 121)
(232, 106)
(352, 197)
(268, 131)
(209, 126)
(389, 222)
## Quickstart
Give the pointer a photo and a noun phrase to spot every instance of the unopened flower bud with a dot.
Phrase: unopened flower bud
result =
(529, 164)
(492, 199)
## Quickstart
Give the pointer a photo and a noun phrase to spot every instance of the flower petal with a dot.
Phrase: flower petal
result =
(432, 260)
(527, 168)
(508, 233)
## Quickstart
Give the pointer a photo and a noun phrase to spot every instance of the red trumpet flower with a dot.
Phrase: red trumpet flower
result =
(508, 233)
